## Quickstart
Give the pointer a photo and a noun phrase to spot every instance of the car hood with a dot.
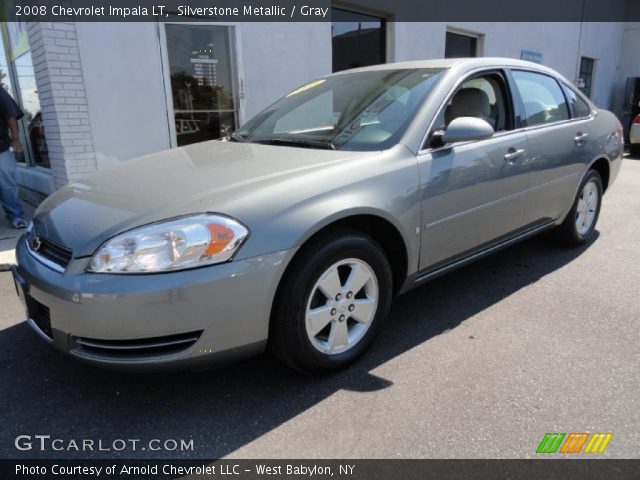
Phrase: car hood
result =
(198, 178)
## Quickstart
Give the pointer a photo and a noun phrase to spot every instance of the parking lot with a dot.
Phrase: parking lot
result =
(479, 363)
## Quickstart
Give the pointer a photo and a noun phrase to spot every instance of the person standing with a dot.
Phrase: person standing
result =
(10, 113)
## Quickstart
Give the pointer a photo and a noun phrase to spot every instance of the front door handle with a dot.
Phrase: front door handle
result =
(513, 154)
(580, 137)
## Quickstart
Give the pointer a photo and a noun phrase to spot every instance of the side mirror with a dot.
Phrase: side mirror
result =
(464, 129)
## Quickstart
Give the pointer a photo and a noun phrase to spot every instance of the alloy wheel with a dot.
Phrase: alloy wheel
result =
(341, 306)
(587, 208)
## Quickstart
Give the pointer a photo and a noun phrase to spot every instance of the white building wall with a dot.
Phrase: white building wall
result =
(561, 45)
(629, 60)
(603, 42)
(630, 57)
(123, 74)
(277, 57)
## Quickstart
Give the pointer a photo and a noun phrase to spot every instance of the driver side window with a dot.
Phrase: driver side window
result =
(483, 96)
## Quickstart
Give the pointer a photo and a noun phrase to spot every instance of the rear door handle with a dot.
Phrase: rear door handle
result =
(513, 154)
(580, 137)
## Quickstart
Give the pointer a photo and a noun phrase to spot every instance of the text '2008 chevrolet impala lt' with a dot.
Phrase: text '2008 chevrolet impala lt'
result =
(297, 231)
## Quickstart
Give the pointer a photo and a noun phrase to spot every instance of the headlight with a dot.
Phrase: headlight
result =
(184, 242)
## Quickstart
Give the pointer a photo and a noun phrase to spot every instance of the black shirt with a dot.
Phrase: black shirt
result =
(8, 109)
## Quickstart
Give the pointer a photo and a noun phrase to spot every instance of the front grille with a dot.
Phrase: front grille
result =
(39, 314)
(54, 253)
(138, 349)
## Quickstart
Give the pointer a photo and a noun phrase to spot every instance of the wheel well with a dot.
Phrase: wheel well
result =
(383, 232)
(602, 167)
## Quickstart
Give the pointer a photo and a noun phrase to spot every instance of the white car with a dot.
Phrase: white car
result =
(634, 136)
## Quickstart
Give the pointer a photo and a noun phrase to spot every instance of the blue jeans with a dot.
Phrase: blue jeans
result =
(9, 186)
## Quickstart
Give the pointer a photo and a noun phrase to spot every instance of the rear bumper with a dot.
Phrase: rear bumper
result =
(615, 166)
(179, 319)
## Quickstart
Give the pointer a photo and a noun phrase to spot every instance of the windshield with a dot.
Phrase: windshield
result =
(351, 111)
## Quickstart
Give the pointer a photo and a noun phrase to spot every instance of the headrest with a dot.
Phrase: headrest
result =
(470, 102)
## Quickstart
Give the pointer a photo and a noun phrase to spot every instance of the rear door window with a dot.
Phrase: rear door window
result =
(542, 98)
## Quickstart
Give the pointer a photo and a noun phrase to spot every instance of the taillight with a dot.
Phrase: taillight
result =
(637, 119)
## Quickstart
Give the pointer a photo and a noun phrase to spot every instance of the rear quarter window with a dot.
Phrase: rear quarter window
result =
(579, 107)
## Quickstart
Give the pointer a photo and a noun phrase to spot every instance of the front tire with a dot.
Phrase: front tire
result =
(331, 303)
(580, 223)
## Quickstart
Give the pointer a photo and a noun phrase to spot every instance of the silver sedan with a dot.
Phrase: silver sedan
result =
(296, 232)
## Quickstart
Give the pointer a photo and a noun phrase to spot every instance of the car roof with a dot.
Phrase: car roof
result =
(460, 64)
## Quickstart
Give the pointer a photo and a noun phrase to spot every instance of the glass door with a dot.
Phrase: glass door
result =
(202, 75)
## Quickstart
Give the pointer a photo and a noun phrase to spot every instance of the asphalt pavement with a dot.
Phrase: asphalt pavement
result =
(480, 363)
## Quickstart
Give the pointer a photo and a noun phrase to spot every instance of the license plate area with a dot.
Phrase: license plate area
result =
(38, 315)
(20, 284)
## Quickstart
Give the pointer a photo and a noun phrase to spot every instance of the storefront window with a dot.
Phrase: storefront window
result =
(32, 120)
(202, 81)
(5, 80)
(17, 67)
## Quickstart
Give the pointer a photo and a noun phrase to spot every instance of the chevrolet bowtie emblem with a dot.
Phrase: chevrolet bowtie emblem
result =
(35, 243)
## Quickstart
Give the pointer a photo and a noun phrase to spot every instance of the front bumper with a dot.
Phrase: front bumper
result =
(180, 319)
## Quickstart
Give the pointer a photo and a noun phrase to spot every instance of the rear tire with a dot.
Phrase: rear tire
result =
(580, 223)
(331, 302)
(634, 149)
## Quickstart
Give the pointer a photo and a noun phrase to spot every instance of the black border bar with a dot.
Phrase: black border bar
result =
(320, 10)
(549, 469)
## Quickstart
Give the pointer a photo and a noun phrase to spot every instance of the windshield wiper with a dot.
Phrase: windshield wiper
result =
(236, 137)
(292, 142)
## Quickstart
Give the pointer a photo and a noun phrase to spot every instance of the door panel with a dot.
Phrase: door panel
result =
(559, 147)
(556, 164)
(471, 195)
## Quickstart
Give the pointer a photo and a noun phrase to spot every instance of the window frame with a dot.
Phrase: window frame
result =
(453, 31)
(512, 106)
(385, 27)
(592, 75)
(237, 72)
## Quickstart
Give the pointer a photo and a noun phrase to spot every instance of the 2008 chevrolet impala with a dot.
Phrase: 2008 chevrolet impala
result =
(296, 232)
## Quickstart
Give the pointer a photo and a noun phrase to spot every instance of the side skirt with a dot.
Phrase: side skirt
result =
(464, 259)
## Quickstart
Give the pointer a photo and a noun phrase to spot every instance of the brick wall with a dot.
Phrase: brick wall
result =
(63, 100)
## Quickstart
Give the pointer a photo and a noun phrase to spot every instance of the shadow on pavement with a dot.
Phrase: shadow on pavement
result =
(44, 392)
